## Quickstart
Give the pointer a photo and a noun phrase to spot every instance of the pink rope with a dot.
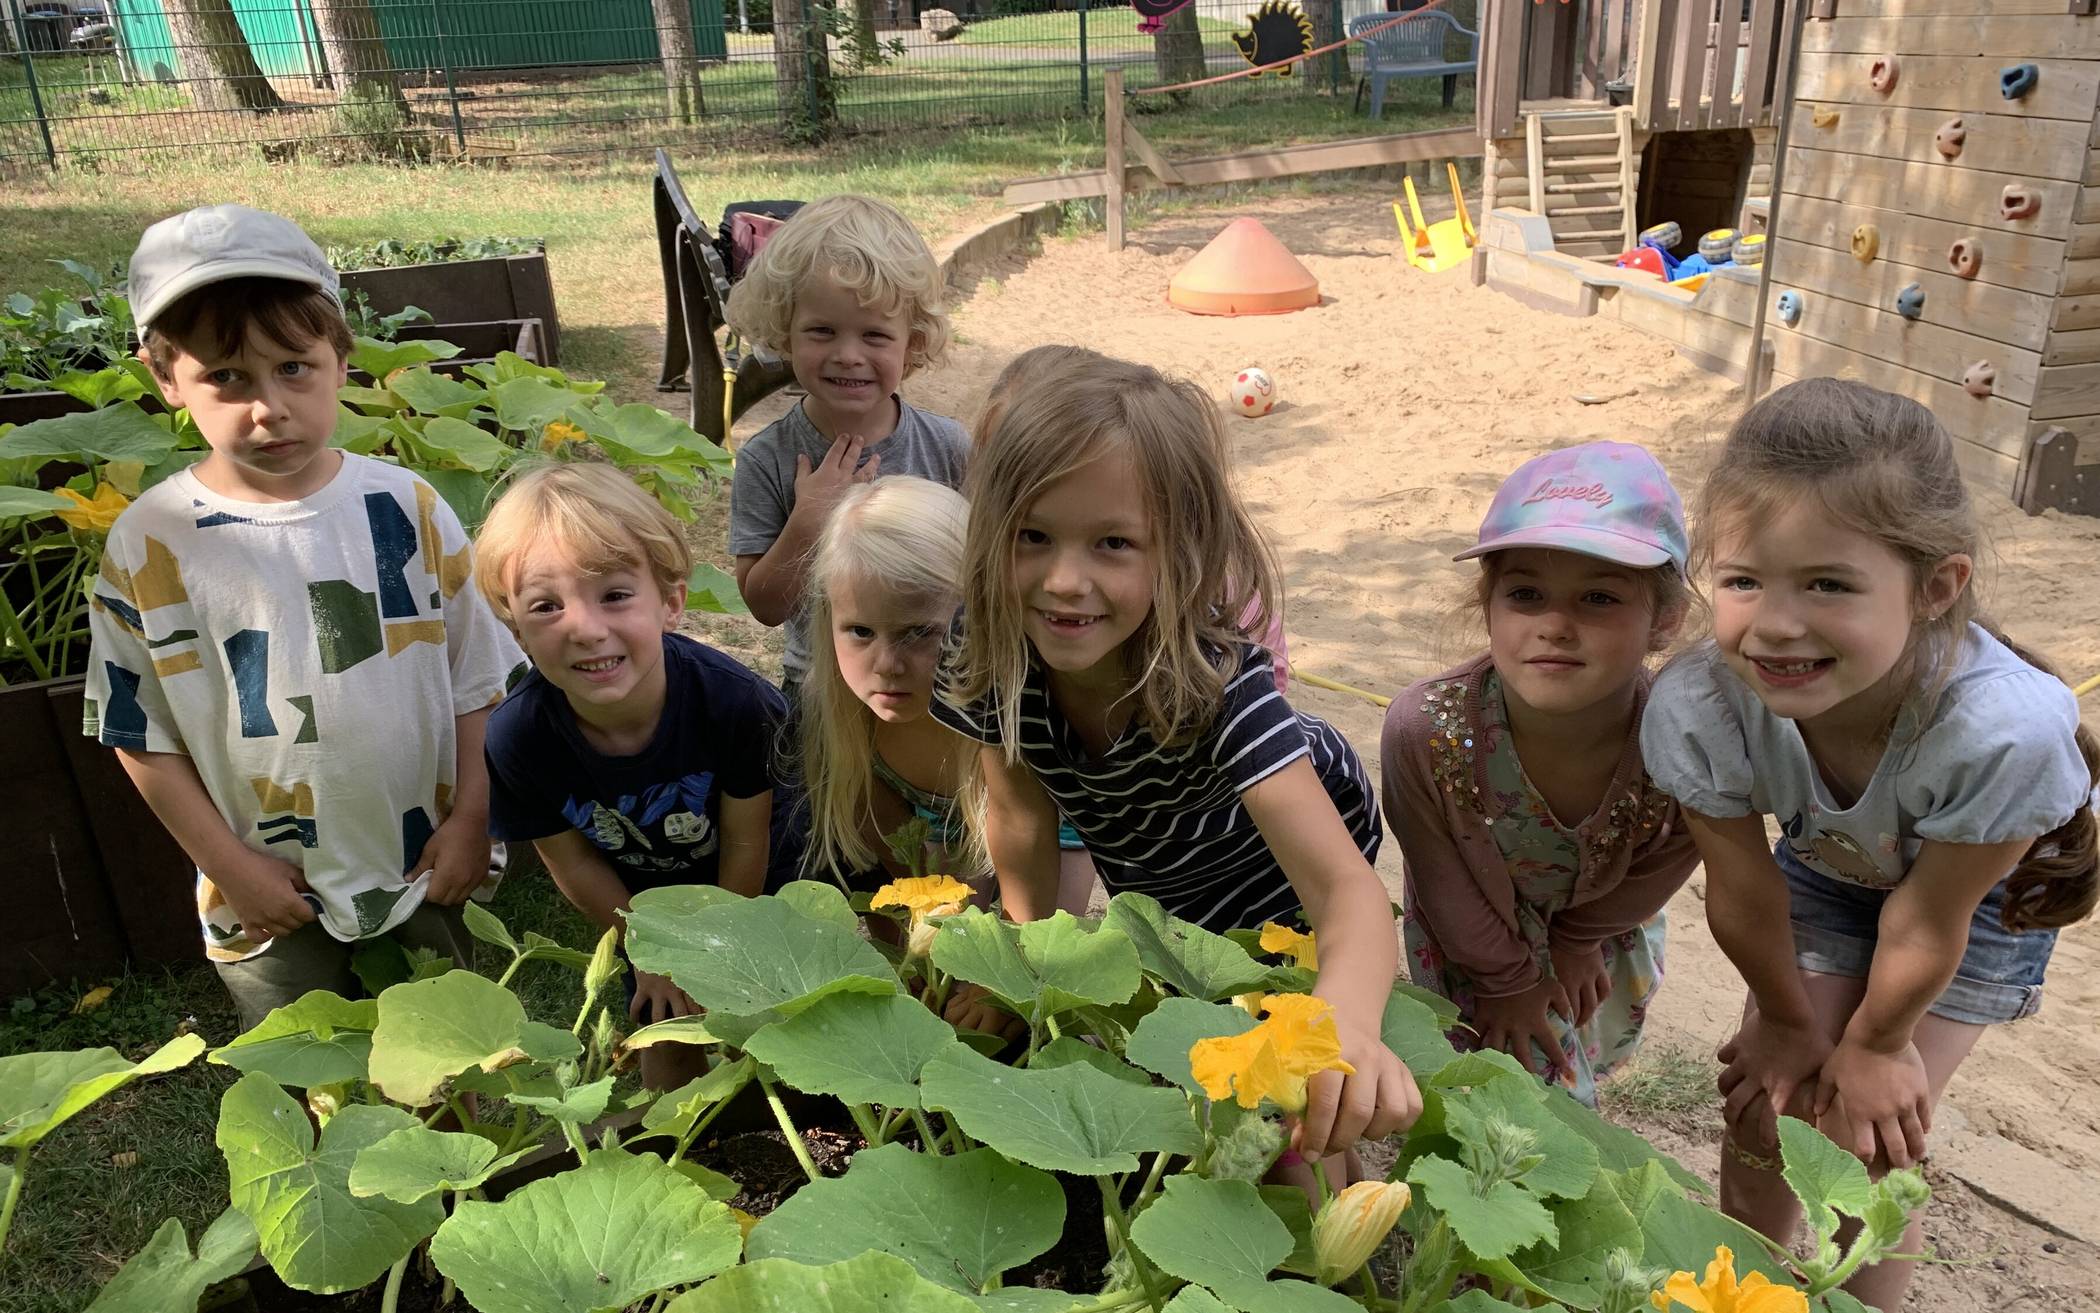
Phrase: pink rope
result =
(1252, 70)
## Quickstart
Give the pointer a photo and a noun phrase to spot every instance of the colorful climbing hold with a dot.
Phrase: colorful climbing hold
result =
(1980, 379)
(1965, 257)
(2019, 202)
(2016, 80)
(1910, 302)
(1790, 307)
(1866, 242)
(1948, 140)
(1824, 118)
(1883, 72)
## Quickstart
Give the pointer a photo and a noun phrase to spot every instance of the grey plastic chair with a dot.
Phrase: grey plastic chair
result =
(1411, 48)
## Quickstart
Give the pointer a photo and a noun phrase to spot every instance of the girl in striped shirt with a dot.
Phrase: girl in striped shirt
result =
(1102, 665)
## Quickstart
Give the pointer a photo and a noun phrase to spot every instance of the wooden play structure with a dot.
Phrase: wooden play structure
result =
(1937, 226)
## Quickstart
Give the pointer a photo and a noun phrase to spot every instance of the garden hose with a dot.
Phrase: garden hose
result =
(2087, 687)
(728, 401)
(1337, 686)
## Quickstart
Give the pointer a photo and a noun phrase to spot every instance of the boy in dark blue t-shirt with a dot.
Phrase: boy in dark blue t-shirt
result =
(631, 757)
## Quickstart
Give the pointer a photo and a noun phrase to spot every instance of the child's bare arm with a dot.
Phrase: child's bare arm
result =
(265, 891)
(771, 582)
(746, 848)
(1020, 836)
(457, 855)
(587, 880)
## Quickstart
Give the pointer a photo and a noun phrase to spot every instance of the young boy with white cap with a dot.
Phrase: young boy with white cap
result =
(287, 656)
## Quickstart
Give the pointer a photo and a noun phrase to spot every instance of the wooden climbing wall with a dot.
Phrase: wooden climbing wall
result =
(1902, 146)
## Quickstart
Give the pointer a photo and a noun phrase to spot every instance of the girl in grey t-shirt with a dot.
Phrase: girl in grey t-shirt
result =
(1930, 781)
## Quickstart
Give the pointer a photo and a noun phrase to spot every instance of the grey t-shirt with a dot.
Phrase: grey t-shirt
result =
(762, 492)
(1997, 762)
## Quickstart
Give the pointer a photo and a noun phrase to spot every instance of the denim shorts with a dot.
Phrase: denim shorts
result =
(1836, 924)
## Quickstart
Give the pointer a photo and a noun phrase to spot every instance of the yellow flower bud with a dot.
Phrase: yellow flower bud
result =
(1352, 1225)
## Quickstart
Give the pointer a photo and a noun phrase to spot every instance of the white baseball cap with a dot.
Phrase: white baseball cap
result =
(213, 243)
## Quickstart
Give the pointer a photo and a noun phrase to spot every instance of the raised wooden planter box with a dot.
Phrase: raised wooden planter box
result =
(98, 883)
(468, 291)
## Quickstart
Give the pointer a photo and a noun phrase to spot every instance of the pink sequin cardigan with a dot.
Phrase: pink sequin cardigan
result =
(1635, 850)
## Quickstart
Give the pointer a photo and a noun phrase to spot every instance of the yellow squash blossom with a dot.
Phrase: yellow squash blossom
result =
(1720, 1293)
(925, 896)
(744, 1223)
(1282, 939)
(1296, 1042)
(557, 434)
(94, 514)
(1352, 1225)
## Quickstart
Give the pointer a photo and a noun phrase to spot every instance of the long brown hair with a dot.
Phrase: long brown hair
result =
(1883, 466)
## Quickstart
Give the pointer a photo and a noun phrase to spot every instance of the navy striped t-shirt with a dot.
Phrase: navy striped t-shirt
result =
(1168, 822)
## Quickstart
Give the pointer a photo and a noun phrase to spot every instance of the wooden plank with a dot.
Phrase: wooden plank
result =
(1509, 62)
(1617, 14)
(2088, 207)
(1791, 13)
(1629, 187)
(2048, 148)
(2016, 318)
(1117, 176)
(2065, 390)
(2085, 429)
(2084, 243)
(1765, 33)
(2009, 259)
(1938, 8)
(1136, 143)
(1990, 422)
(1650, 77)
(1540, 33)
(1539, 284)
(2073, 313)
(2081, 277)
(2067, 89)
(1967, 196)
(1723, 111)
(1252, 166)
(1688, 73)
(1926, 348)
(2011, 36)
(1535, 163)
(2077, 347)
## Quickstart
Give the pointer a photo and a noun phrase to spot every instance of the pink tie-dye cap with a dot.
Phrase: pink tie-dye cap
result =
(1610, 500)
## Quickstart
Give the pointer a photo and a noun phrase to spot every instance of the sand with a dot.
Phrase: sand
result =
(1406, 399)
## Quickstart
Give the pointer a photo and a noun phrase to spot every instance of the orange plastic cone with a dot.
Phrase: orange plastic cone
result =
(1244, 271)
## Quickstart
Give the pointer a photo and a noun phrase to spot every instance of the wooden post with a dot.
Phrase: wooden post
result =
(1112, 105)
(1796, 17)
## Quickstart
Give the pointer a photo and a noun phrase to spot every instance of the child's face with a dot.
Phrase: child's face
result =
(1811, 615)
(888, 645)
(596, 637)
(267, 412)
(1567, 632)
(1083, 566)
(849, 358)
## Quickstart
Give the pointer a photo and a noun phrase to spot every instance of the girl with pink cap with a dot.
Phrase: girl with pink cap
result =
(1539, 854)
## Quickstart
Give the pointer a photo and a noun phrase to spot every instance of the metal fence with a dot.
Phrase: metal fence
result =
(121, 79)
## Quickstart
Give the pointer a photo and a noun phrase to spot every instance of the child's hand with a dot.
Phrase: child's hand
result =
(1771, 1059)
(970, 1008)
(457, 858)
(1583, 980)
(818, 489)
(1876, 1097)
(657, 999)
(1515, 1022)
(268, 895)
(1378, 1100)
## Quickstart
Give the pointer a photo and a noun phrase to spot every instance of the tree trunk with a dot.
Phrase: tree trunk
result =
(866, 48)
(1331, 69)
(681, 56)
(802, 69)
(1177, 48)
(216, 62)
(357, 57)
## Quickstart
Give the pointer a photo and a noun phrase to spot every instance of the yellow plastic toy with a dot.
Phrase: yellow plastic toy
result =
(1438, 246)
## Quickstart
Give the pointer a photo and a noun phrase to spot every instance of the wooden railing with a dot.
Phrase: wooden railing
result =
(1684, 65)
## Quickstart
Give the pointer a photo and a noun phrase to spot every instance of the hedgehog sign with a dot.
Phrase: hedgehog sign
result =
(1279, 33)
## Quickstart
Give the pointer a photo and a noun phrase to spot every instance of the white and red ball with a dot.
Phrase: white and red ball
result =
(1253, 392)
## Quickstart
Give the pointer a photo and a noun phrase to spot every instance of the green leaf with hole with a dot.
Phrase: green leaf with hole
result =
(432, 1030)
(1066, 1119)
(39, 1092)
(1825, 1178)
(962, 1221)
(1180, 954)
(318, 1235)
(1042, 968)
(1493, 1225)
(598, 1237)
(750, 955)
(165, 1276)
(119, 432)
(858, 1285)
(1162, 1041)
(317, 1039)
(416, 1162)
(863, 1048)
(1220, 1235)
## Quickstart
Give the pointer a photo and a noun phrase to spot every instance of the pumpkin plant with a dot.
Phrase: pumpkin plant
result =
(1138, 1080)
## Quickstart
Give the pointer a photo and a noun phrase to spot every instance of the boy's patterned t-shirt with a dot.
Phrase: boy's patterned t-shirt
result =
(310, 658)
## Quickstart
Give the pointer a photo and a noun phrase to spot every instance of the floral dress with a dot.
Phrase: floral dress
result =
(1544, 857)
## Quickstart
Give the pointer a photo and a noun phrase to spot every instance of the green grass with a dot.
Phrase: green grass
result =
(1665, 1081)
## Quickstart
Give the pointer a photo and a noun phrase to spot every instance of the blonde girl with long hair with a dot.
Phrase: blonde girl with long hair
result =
(1107, 669)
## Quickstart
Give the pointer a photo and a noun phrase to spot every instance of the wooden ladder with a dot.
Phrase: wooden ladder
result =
(1581, 170)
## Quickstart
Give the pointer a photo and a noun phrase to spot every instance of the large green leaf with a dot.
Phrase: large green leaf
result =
(1162, 1041)
(1067, 1049)
(1219, 1234)
(1680, 1235)
(315, 1233)
(454, 441)
(436, 394)
(1195, 1299)
(648, 435)
(1619, 1149)
(749, 955)
(1041, 968)
(871, 1281)
(465, 491)
(416, 1162)
(862, 1048)
(961, 1221)
(380, 359)
(1825, 1178)
(1570, 1165)
(1066, 1119)
(595, 1238)
(432, 1030)
(531, 403)
(1180, 954)
(576, 1104)
(819, 900)
(40, 1091)
(163, 1276)
(1589, 1230)
(713, 590)
(1415, 1032)
(1494, 1225)
(30, 504)
(318, 1039)
(1480, 1067)
(119, 432)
